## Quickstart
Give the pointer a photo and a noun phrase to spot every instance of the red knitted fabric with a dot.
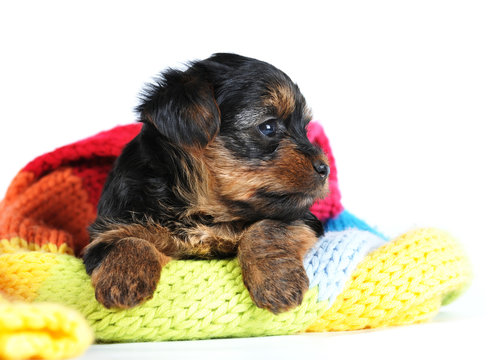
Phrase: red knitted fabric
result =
(330, 206)
(54, 198)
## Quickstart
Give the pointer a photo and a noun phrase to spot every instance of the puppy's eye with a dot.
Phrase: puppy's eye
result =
(268, 128)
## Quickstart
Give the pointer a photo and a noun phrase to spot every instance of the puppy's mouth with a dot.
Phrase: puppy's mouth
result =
(276, 202)
(287, 204)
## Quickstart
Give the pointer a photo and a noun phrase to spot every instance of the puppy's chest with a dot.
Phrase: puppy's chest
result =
(206, 228)
(210, 240)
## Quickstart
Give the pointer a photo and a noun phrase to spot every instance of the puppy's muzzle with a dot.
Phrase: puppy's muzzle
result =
(321, 168)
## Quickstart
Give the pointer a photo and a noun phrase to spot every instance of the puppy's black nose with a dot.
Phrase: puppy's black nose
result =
(321, 168)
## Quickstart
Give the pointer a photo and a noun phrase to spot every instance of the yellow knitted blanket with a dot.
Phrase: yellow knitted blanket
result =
(403, 281)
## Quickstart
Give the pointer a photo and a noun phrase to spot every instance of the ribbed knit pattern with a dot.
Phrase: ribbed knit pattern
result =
(357, 279)
(41, 331)
(53, 199)
(403, 282)
(332, 260)
(194, 300)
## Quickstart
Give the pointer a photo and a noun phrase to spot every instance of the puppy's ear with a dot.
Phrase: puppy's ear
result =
(182, 107)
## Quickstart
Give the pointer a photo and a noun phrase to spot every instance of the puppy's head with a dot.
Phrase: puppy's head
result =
(246, 121)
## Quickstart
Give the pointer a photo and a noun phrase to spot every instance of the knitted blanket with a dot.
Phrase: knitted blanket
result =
(357, 278)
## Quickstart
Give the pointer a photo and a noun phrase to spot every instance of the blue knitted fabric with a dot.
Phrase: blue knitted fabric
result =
(335, 256)
(346, 220)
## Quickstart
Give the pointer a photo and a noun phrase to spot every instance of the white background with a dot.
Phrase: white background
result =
(408, 93)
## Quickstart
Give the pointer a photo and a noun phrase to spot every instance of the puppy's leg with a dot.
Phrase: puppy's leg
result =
(271, 257)
(125, 265)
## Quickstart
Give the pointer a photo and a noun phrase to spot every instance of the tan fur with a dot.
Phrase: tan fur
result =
(290, 167)
(150, 247)
(117, 284)
(200, 240)
(282, 98)
(269, 252)
(271, 257)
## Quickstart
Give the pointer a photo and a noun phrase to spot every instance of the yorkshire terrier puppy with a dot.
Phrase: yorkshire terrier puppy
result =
(222, 167)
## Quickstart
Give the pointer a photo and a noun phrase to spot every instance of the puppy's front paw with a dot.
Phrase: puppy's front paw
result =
(279, 287)
(128, 274)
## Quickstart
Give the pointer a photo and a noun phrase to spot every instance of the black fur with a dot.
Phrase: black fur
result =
(222, 166)
(146, 177)
(94, 257)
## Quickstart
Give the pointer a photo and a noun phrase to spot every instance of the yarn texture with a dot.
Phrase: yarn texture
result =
(358, 278)
(43, 331)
